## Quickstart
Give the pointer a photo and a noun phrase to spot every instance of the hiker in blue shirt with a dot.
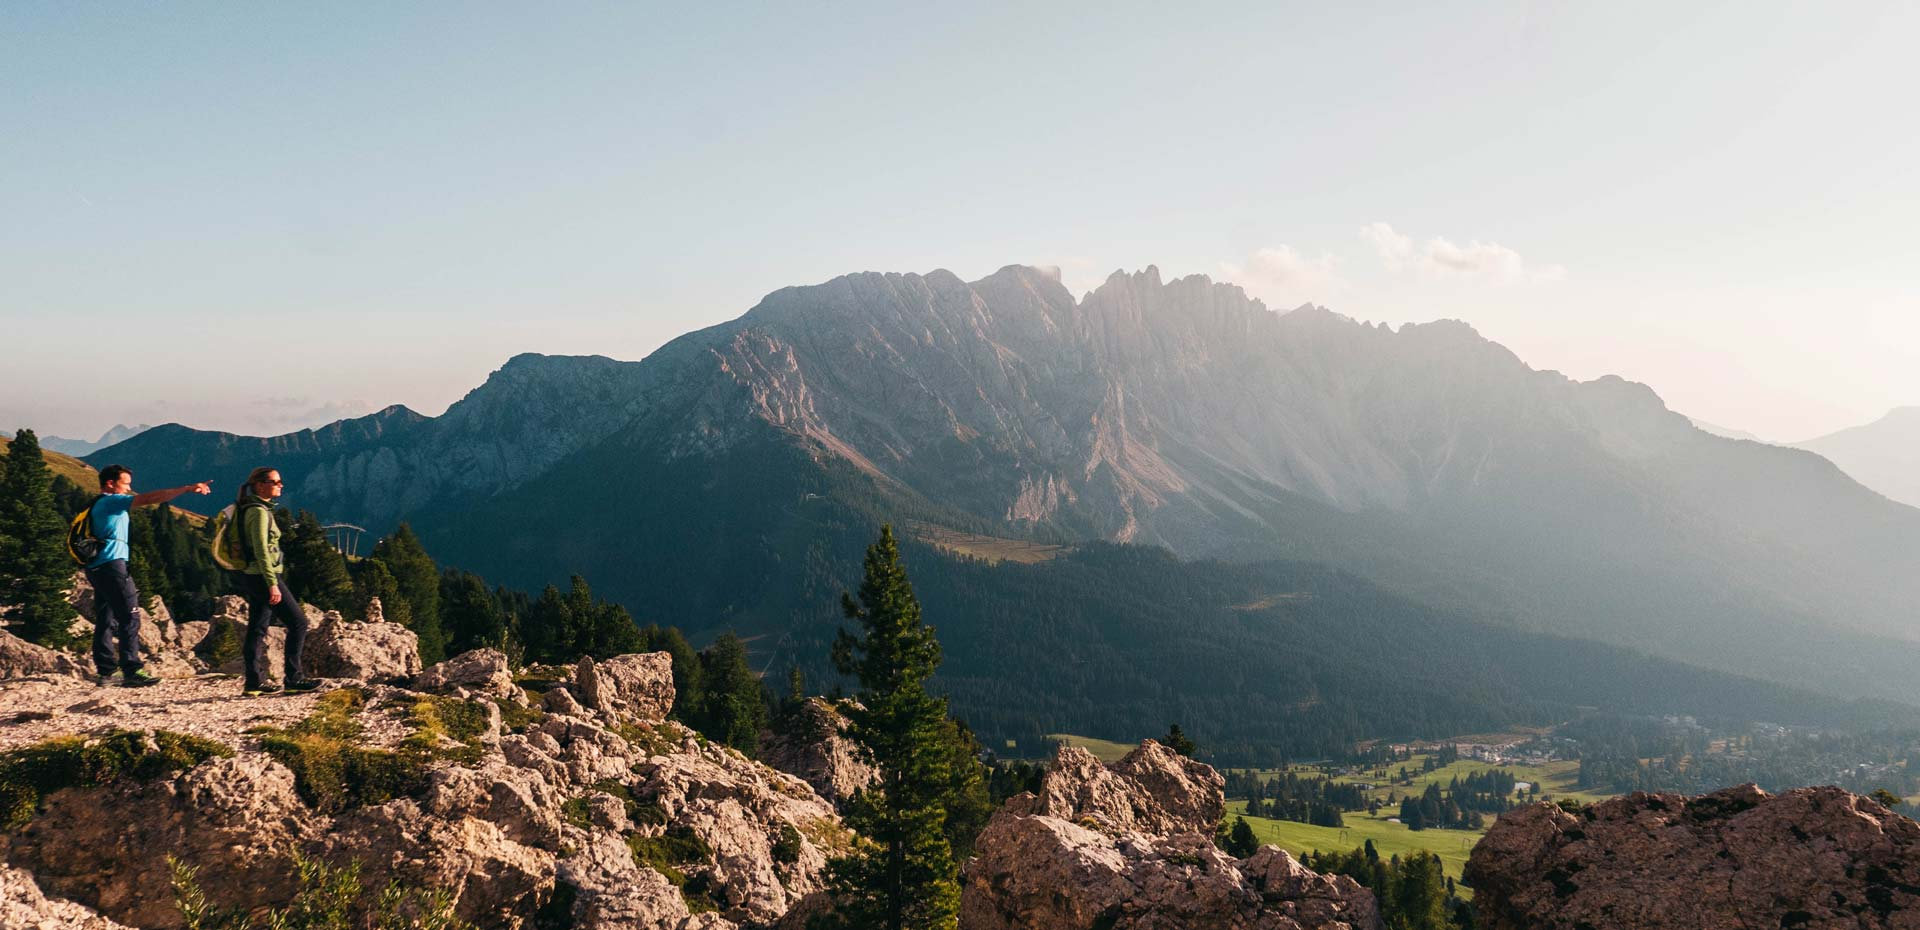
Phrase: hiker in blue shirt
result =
(114, 596)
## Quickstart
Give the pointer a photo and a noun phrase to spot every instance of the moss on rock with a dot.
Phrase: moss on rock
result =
(30, 773)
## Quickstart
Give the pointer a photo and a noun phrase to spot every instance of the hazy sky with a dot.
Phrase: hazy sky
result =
(380, 204)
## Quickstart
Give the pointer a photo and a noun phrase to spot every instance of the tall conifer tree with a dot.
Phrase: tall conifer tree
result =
(35, 570)
(318, 568)
(419, 582)
(906, 874)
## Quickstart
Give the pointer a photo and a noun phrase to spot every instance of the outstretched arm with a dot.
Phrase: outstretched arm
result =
(161, 497)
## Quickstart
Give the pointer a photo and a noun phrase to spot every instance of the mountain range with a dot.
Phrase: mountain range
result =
(1883, 455)
(728, 479)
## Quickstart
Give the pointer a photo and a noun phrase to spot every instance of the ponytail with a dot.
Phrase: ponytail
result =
(254, 477)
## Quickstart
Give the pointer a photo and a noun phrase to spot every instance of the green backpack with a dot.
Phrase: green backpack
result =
(229, 539)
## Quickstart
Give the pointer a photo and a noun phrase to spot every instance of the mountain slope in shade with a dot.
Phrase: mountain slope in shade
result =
(1724, 432)
(1883, 455)
(729, 478)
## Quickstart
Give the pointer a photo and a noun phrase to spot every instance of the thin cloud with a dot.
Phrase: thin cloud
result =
(1439, 257)
(1285, 278)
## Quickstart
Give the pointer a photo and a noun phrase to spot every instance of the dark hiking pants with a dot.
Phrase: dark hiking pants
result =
(260, 613)
(114, 597)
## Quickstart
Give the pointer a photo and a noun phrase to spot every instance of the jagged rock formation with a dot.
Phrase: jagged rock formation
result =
(1129, 847)
(814, 746)
(380, 652)
(607, 815)
(1811, 858)
(19, 658)
(1175, 412)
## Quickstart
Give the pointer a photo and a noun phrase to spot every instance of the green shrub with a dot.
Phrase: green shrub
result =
(32, 772)
(438, 722)
(327, 897)
(331, 771)
(518, 719)
(786, 847)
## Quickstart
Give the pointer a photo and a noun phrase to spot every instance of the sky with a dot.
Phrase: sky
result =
(261, 217)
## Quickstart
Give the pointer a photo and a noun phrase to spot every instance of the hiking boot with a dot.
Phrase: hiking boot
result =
(105, 678)
(260, 689)
(302, 685)
(138, 678)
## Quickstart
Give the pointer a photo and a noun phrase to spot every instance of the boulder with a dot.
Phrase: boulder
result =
(226, 632)
(1152, 790)
(631, 688)
(1811, 858)
(1129, 847)
(19, 658)
(372, 652)
(480, 671)
(813, 745)
(163, 644)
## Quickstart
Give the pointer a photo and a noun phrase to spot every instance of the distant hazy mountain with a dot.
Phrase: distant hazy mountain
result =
(79, 447)
(1724, 432)
(728, 479)
(1883, 455)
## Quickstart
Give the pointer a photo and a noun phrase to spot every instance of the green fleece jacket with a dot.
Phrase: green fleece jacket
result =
(262, 537)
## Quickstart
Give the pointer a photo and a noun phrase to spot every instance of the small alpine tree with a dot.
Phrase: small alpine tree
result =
(316, 566)
(35, 570)
(1177, 740)
(418, 580)
(903, 874)
(1241, 843)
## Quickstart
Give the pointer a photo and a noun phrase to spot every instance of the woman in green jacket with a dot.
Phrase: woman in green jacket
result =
(264, 584)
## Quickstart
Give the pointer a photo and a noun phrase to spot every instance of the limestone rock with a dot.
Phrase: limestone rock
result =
(22, 906)
(613, 892)
(1152, 790)
(1129, 847)
(106, 848)
(480, 671)
(633, 688)
(19, 658)
(163, 645)
(373, 652)
(1811, 858)
(814, 746)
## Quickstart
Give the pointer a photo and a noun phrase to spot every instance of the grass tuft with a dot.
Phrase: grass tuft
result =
(30, 773)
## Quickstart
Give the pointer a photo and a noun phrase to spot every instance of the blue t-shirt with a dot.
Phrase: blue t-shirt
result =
(110, 524)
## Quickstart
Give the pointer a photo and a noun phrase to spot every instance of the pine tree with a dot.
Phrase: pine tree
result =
(1241, 842)
(371, 579)
(734, 709)
(316, 566)
(1177, 740)
(419, 583)
(470, 614)
(614, 632)
(547, 628)
(906, 874)
(35, 570)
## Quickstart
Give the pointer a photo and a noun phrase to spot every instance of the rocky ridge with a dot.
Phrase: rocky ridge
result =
(579, 801)
(1129, 847)
(1811, 858)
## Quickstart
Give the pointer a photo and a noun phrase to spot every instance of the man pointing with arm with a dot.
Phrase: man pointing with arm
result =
(114, 596)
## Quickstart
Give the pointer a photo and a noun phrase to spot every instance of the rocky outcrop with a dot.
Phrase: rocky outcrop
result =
(21, 658)
(814, 746)
(1811, 858)
(481, 671)
(376, 652)
(1152, 790)
(1129, 847)
(604, 816)
(635, 685)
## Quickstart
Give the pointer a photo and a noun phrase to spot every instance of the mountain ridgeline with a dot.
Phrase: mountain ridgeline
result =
(729, 479)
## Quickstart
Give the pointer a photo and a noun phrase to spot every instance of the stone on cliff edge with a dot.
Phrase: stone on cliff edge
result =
(23, 907)
(480, 671)
(1130, 848)
(1811, 858)
(373, 652)
(637, 688)
(814, 747)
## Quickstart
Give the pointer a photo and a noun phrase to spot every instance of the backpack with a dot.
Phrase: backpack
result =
(229, 539)
(82, 545)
